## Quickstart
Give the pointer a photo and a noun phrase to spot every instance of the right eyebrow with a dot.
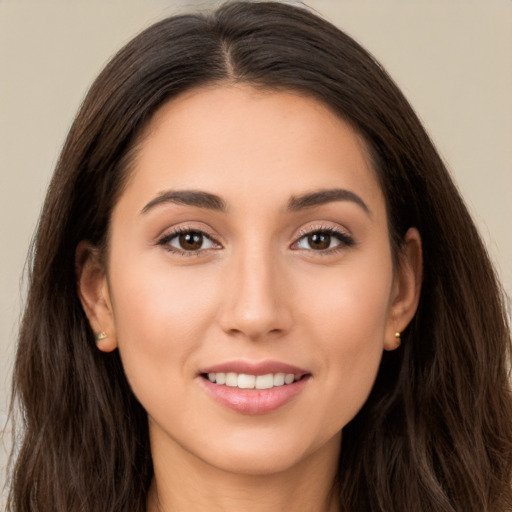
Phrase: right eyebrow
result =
(320, 197)
(187, 197)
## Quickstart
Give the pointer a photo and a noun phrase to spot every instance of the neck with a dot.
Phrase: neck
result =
(184, 483)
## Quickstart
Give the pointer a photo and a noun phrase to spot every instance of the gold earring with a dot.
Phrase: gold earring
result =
(101, 336)
(398, 339)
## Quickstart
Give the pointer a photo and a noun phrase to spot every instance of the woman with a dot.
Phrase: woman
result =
(255, 287)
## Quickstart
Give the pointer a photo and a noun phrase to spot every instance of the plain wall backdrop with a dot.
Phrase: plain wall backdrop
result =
(451, 58)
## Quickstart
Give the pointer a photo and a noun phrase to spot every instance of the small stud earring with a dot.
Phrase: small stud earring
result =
(398, 339)
(101, 336)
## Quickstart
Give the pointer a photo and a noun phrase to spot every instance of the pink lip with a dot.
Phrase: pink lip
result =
(254, 401)
(254, 368)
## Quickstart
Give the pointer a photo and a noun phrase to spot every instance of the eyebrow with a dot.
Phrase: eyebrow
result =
(213, 202)
(187, 197)
(321, 197)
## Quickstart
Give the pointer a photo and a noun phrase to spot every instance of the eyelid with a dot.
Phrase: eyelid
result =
(175, 231)
(343, 235)
(346, 239)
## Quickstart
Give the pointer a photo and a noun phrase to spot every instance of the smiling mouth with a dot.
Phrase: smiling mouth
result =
(248, 381)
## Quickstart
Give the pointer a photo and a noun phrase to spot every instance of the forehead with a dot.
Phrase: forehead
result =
(237, 139)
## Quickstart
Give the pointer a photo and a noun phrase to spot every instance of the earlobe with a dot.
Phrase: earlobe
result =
(104, 342)
(406, 289)
(94, 295)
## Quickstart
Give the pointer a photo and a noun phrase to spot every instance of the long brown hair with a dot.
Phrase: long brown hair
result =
(436, 431)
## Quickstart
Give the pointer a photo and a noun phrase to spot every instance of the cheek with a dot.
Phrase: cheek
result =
(348, 317)
(150, 296)
(161, 318)
(349, 305)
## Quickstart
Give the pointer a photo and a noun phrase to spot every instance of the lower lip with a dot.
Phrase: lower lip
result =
(254, 401)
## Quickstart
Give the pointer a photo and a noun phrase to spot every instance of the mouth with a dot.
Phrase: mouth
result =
(249, 381)
(254, 388)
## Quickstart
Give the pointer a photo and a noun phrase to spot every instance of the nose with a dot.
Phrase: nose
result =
(256, 302)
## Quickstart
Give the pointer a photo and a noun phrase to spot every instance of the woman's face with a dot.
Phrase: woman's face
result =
(250, 247)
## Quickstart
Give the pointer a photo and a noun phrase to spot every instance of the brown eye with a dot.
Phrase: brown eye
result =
(191, 241)
(323, 240)
(188, 241)
(319, 241)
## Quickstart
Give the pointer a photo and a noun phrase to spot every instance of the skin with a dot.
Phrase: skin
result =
(257, 289)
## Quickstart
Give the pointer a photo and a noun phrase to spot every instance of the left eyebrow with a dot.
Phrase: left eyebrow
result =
(187, 197)
(321, 197)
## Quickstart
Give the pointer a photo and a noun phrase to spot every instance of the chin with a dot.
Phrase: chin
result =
(270, 455)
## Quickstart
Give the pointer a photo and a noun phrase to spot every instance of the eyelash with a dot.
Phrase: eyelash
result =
(345, 240)
(183, 230)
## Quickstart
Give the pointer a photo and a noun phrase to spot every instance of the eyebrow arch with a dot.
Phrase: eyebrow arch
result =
(320, 197)
(187, 197)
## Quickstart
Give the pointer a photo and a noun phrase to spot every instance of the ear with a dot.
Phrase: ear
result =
(406, 289)
(94, 295)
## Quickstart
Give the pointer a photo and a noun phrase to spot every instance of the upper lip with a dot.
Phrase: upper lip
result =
(254, 368)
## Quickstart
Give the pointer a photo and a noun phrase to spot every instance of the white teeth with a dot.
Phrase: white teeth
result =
(246, 381)
(279, 379)
(265, 381)
(231, 380)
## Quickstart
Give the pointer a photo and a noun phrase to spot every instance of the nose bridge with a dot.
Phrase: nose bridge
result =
(254, 304)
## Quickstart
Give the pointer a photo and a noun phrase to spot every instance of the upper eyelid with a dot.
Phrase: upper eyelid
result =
(217, 239)
(322, 227)
(164, 241)
(178, 230)
(343, 235)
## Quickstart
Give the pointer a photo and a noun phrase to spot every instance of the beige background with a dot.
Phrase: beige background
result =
(452, 58)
